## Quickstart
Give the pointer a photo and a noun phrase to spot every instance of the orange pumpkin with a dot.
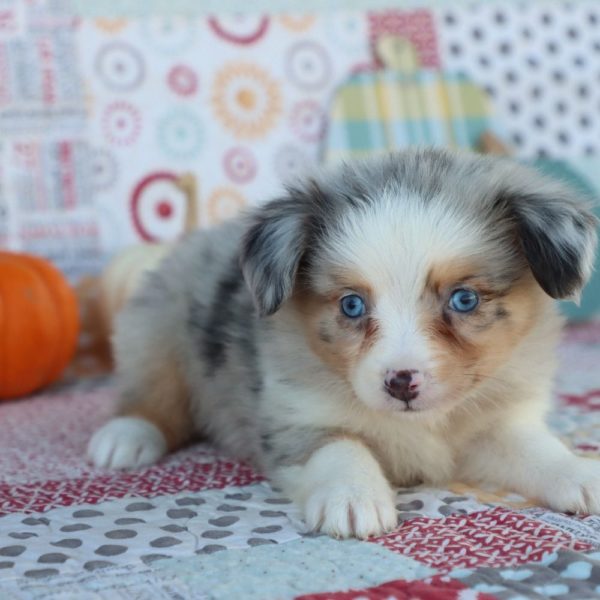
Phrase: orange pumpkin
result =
(39, 324)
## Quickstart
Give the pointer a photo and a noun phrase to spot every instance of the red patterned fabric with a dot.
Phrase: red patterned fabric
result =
(42, 462)
(436, 588)
(188, 474)
(493, 538)
(590, 401)
(416, 26)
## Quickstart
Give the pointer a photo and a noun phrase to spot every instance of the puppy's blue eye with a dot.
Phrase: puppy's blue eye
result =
(464, 301)
(353, 306)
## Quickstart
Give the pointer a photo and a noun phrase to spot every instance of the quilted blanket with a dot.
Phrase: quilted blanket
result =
(200, 525)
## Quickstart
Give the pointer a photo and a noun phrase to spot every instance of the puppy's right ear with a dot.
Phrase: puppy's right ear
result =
(272, 248)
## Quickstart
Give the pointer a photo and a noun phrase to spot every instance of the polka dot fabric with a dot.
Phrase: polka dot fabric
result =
(540, 63)
(131, 531)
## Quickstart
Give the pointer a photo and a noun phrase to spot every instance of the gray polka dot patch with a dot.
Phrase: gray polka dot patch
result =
(40, 573)
(230, 508)
(135, 531)
(12, 550)
(110, 549)
(33, 521)
(541, 75)
(22, 535)
(260, 541)
(211, 549)
(190, 501)
(67, 543)
(174, 528)
(272, 513)
(136, 506)
(86, 514)
(223, 521)
(216, 534)
(92, 565)
(121, 534)
(181, 513)
(53, 557)
(75, 527)
(128, 521)
(240, 496)
(150, 558)
(165, 542)
(268, 529)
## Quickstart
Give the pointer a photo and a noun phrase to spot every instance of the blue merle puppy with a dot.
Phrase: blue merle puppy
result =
(383, 323)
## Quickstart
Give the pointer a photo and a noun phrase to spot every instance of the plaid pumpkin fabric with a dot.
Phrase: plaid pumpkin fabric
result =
(390, 110)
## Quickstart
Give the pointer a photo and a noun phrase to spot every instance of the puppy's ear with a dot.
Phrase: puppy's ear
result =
(557, 231)
(272, 249)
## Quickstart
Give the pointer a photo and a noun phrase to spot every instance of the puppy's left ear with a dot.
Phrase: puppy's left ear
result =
(272, 249)
(557, 231)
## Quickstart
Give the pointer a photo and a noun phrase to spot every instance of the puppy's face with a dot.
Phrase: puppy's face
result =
(415, 308)
(415, 278)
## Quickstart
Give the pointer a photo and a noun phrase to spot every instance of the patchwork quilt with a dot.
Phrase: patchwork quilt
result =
(201, 525)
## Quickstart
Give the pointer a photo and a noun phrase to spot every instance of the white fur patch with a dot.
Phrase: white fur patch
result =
(343, 491)
(574, 486)
(529, 459)
(126, 442)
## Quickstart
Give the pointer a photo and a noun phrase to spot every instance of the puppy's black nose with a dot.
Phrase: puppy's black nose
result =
(402, 385)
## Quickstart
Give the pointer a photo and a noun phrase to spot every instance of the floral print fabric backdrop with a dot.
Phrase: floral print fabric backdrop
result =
(98, 115)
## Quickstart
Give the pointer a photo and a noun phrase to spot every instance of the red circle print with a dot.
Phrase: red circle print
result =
(240, 29)
(183, 80)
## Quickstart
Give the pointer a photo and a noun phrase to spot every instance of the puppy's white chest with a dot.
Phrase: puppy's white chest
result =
(412, 454)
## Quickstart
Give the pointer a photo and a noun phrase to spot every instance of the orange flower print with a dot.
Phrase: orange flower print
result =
(223, 203)
(246, 99)
(109, 25)
(297, 22)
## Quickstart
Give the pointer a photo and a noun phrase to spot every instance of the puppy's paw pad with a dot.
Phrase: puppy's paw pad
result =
(576, 488)
(126, 442)
(346, 510)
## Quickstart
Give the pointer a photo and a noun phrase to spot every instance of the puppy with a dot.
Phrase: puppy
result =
(386, 323)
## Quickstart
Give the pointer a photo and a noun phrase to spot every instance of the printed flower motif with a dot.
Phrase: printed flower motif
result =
(122, 123)
(169, 35)
(246, 99)
(109, 25)
(308, 66)
(240, 28)
(308, 120)
(291, 162)
(180, 134)
(157, 207)
(240, 165)
(183, 80)
(297, 22)
(120, 67)
(223, 203)
(104, 169)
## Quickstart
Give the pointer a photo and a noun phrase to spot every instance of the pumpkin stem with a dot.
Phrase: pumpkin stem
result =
(187, 183)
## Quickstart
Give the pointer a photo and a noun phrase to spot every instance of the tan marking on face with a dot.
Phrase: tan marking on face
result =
(164, 400)
(337, 340)
(468, 348)
(444, 276)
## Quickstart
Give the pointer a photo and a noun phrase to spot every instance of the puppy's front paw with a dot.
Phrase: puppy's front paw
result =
(347, 509)
(575, 487)
(126, 442)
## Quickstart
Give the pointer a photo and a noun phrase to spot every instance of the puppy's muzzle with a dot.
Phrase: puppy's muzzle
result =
(403, 385)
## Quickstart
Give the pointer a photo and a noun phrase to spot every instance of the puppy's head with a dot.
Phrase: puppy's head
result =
(415, 276)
